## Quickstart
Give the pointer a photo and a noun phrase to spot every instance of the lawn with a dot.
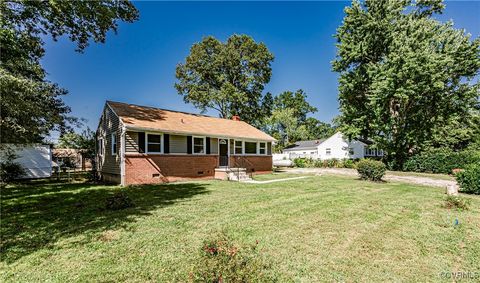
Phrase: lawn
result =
(322, 228)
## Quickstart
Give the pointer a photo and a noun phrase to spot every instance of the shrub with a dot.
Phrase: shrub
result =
(371, 169)
(441, 160)
(469, 179)
(348, 163)
(221, 260)
(119, 200)
(457, 202)
(10, 170)
(299, 162)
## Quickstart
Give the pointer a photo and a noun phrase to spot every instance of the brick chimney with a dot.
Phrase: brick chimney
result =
(236, 118)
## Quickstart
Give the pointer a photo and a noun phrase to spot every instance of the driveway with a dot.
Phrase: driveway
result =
(412, 179)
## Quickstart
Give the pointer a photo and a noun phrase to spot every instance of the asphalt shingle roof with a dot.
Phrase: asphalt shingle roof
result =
(150, 118)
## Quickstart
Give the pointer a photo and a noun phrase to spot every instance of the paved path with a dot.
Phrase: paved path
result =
(274, 180)
(412, 179)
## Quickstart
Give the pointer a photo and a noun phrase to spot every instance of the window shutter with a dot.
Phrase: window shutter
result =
(141, 142)
(189, 144)
(166, 143)
(269, 150)
(207, 140)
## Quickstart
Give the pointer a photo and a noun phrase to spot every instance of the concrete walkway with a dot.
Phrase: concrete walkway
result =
(274, 180)
(411, 179)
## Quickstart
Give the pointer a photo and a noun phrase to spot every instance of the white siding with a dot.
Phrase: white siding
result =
(339, 148)
(178, 144)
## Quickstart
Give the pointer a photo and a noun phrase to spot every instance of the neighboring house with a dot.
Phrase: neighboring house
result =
(35, 159)
(335, 146)
(140, 145)
(72, 158)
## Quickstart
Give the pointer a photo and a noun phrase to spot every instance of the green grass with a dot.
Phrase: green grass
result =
(275, 176)
(420, 174)
(322, 228)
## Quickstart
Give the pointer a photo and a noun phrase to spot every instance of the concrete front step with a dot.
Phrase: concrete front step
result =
(232, 174)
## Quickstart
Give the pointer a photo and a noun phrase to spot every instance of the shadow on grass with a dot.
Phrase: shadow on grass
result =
(37, 216)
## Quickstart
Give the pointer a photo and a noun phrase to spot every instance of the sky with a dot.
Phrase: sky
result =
(137, 65)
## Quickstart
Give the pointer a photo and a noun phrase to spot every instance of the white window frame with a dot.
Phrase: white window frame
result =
(235, 147)
(260, 147)
(101, 146)
(113, 137)
(244, 148)
(161, 143)
(204, 145)
(328, 151)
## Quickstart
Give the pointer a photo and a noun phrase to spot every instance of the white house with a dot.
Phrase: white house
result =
(335, 146)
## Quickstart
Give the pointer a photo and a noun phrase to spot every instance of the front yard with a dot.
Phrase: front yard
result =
(321, 228)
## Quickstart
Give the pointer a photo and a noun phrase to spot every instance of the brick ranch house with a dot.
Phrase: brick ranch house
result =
(142, 145)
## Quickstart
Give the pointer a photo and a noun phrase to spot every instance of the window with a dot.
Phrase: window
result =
(351, 151)
(154, 143)
(238, 147)
(198, 145)
(328, 151)
(114, 143)
(100, 146)
(262, 148)
(250, 147)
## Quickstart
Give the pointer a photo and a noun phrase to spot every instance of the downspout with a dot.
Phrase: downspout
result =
(122, 157)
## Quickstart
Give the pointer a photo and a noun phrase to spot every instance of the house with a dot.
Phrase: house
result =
(336, 146)
(35, 159)
(140, 145)
(72, 158)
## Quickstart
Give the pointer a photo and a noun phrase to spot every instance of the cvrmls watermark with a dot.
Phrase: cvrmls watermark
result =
(468, 275)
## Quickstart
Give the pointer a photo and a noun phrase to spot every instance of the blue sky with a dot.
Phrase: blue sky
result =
(138, 64)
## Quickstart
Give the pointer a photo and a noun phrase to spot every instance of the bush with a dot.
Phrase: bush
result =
(441, 160)
(10, 170)
(469, 179)
(221, 260)
(371, 169)
(348, 163)
(119, 200)
(457, 202)
(299, 162)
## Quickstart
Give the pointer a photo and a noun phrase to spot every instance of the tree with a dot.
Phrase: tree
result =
(32, 106)
(227, 77)
(284, 127)
(317, 129)
(402, 73)
(84, 141)
(457, 133)
(296, 101)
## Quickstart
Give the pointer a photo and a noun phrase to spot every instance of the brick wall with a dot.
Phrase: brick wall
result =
(252, 163)
(145, 169)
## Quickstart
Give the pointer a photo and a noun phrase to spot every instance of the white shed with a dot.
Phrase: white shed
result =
(36, 159)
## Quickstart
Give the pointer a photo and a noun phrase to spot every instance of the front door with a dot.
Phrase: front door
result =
(223, 160)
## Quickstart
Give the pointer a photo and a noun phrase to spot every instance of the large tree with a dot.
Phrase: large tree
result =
(227, 76)
(402, 73)
(284, 126)
(30, 105)
(296, 101)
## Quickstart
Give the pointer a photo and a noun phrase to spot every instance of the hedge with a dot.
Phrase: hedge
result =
(441, 160)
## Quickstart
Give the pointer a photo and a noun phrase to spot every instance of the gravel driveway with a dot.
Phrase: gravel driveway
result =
(388, 176)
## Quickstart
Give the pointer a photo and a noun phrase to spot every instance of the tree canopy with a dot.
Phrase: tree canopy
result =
(288, 121)
(402, 73)
(227, 76)
(32, 106)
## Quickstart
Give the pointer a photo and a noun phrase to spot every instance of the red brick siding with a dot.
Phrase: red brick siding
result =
(252, 163)
(139, 168)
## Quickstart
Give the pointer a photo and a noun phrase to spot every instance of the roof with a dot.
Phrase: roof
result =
(176, 122)
(299, 145)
